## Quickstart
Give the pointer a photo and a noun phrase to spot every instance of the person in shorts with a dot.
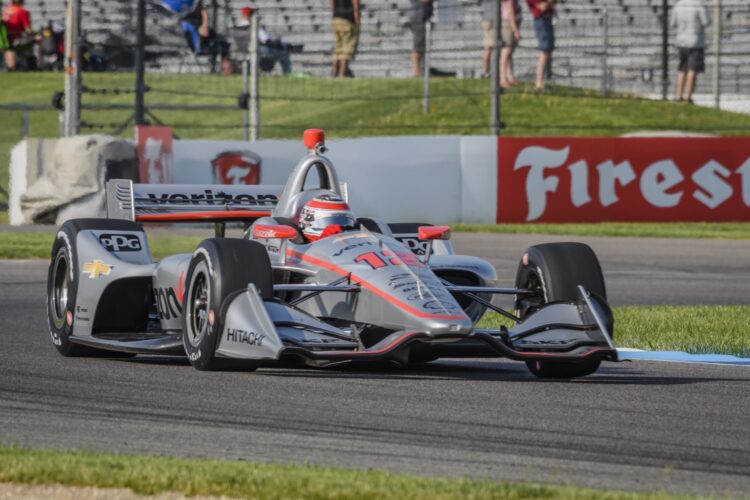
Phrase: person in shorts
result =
(510, 34)
(690, 19)
(420, 13)
(345, 35)
(543, 11)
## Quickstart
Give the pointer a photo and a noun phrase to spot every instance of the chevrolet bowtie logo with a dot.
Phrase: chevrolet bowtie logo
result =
(96, 269)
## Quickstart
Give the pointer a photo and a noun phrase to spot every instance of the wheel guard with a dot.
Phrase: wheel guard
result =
(558, 331)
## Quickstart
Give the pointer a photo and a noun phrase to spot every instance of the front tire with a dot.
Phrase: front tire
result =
(220, 268)
(556, 270)
(62, 286)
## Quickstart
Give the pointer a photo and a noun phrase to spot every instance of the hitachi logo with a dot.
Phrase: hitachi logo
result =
(244, 337)
(210, 198)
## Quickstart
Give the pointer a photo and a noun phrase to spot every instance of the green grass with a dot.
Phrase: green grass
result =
(706, 230)
(37, 245)
(380, 107)
(148, 475)
(693, 329)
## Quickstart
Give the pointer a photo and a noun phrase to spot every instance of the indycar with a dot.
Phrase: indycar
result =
(376, 292)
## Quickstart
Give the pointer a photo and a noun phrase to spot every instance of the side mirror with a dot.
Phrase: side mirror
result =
(269, 231)
(434, 232)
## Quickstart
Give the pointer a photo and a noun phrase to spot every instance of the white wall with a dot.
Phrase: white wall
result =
(437, 179)
(434, 179)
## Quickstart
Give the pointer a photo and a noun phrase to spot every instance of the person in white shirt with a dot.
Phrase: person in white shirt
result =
(690, 19)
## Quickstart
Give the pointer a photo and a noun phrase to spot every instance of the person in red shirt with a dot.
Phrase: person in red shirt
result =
(17, 21)
(543, 12)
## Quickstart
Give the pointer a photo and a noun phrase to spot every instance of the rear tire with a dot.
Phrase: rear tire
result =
(556, 269)
(62, 286)
(219, 268)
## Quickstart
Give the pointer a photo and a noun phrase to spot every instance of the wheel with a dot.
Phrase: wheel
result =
(220, 268)
(62, 285)
(556, 270)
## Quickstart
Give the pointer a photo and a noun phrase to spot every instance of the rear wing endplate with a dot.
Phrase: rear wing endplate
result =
(189, 202)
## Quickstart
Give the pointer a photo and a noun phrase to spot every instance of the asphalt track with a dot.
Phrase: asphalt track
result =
(633, 426)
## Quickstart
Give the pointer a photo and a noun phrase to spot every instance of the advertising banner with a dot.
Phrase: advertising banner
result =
(567, 179)
(154, 146)
(236, 167)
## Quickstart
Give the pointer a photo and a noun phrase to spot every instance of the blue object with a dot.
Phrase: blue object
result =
(180, 7)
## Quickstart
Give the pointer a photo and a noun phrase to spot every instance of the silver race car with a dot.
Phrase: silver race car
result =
(365, 291)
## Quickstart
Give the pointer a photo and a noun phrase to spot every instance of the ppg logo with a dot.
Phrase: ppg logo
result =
(120, 242)
(417, 246)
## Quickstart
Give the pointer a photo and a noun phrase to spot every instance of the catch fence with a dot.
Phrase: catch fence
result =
(612, 48)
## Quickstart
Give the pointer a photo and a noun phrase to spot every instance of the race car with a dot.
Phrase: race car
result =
(309, 283)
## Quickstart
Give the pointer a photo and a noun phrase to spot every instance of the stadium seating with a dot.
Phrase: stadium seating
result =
(633, 44)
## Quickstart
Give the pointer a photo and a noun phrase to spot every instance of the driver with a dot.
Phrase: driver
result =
(325, 216)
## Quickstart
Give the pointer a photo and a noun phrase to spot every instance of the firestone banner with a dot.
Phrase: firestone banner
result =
(565, 179)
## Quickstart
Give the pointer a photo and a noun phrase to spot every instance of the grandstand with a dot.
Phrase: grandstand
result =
(633, 41)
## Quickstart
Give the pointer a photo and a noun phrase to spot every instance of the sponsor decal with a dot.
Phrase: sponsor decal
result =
(81, 309)
(245, 337)
(566, 179)
(168, 305)
(83, 318)
(237, 167)
(154, 148)
(97, 268)
(120, 242)
(210, 197)
(352, 247)
(416, 245)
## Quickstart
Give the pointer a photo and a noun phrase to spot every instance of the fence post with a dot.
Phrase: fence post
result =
(664, 50)
(717, 59)
(426, 63)
(139, 116)
(72, 112)
(254, 110)
(495, 71)
(24, 124)
(605, 52)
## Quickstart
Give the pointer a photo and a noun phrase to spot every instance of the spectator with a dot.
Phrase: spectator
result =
(543, 11)
(420, 14)
(345, 35)
(690, 18)
(510, 34)
(271, 50)
(488, 16)
(17, 21)
(199, 35)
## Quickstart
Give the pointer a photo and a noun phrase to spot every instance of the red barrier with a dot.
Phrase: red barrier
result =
(565, 179)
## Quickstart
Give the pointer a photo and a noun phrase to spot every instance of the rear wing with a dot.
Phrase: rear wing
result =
(189, 202)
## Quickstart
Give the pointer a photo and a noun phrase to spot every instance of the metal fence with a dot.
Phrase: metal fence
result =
(612, 47)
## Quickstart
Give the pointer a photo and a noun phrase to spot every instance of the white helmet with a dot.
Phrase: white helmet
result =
(321, 212)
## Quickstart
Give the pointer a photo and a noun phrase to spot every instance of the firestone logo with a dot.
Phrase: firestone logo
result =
(661, 183)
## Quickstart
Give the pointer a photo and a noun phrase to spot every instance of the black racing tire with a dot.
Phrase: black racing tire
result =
(219, 268)
(62, 286)
(556, 269)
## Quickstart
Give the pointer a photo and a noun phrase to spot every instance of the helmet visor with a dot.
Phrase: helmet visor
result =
(342, 220)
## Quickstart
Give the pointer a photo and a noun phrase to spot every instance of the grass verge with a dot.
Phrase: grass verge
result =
(702, 230)
(693, 329)
(37, 245)
(153, 475)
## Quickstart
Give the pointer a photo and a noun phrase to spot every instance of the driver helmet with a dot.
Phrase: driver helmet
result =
(324, 211)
